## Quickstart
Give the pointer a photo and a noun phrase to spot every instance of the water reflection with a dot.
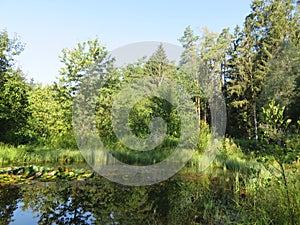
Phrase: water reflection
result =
(9, 196)
(86, 202)
(99, 201)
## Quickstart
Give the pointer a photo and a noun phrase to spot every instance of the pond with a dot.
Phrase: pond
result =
(99, 201)
(186, 198)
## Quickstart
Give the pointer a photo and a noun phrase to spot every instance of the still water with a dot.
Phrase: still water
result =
(87, 202)
(179, 200)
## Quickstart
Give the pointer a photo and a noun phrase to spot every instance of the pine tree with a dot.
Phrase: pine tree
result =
(158, 66)
(281, 81)
(268, 25)
(190, 67)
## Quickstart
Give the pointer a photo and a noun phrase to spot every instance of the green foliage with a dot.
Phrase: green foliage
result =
(79, 61)
(256, 67)
(26, 174)
(48, 123)
(141, 114)
(158, 65)
(268, 25)
(235, 190)
(281, 80)
(274, 126)
(282, 144)
(13, 92)
(13, 108)
(84, 65)
(281, 138)
(275, 130)
(29, 154)
(189, 43)
(9, 48)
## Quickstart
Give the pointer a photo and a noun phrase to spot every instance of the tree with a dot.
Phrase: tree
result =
(214, 58)
(281, 80)
(190, 66)
(159, 68)
(158, 65)
(47, 124)
(88, 62)
(189, 43)
(280, 139)
(242, 86)
(9, 48)
(203, 65)
(13, 92)
(107, 95)
(79, 61)
(268, 24)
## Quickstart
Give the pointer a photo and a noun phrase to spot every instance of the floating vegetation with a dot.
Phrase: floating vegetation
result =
(28, 174)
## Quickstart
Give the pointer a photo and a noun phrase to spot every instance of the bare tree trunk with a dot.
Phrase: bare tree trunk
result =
(255, 122)
(82, 132)
(198, 101)
(204, 111)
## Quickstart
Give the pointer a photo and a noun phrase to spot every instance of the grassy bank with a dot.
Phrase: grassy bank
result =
(237, 195)
(21, 155)
(234, 189)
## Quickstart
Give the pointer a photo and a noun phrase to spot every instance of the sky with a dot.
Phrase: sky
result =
(46, 27)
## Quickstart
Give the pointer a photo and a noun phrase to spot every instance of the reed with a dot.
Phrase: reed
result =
(11, 155)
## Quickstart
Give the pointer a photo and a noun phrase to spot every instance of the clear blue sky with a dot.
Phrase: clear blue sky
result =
(46, 27)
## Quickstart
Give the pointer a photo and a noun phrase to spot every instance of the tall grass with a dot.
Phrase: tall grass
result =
(11, 155)
(235, 189)
(242, 190)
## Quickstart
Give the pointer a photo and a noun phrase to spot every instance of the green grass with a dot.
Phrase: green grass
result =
(241, 190)
(11, 155)
(234, 189)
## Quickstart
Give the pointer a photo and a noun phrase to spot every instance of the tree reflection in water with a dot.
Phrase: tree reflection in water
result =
(99, 201)
(9, 196)
(86, 202)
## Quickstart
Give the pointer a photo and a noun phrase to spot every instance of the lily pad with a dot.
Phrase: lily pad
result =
(26, 174)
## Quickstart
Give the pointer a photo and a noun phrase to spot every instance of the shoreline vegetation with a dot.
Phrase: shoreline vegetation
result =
(25, 155)
(30, 174)
(255, 176)
(235, 188)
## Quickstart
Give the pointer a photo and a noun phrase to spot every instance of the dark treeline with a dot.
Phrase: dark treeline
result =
(256, 67)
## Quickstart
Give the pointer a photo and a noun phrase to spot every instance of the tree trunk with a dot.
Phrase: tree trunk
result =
(204, 112)
(255, 122)
(198, 110)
